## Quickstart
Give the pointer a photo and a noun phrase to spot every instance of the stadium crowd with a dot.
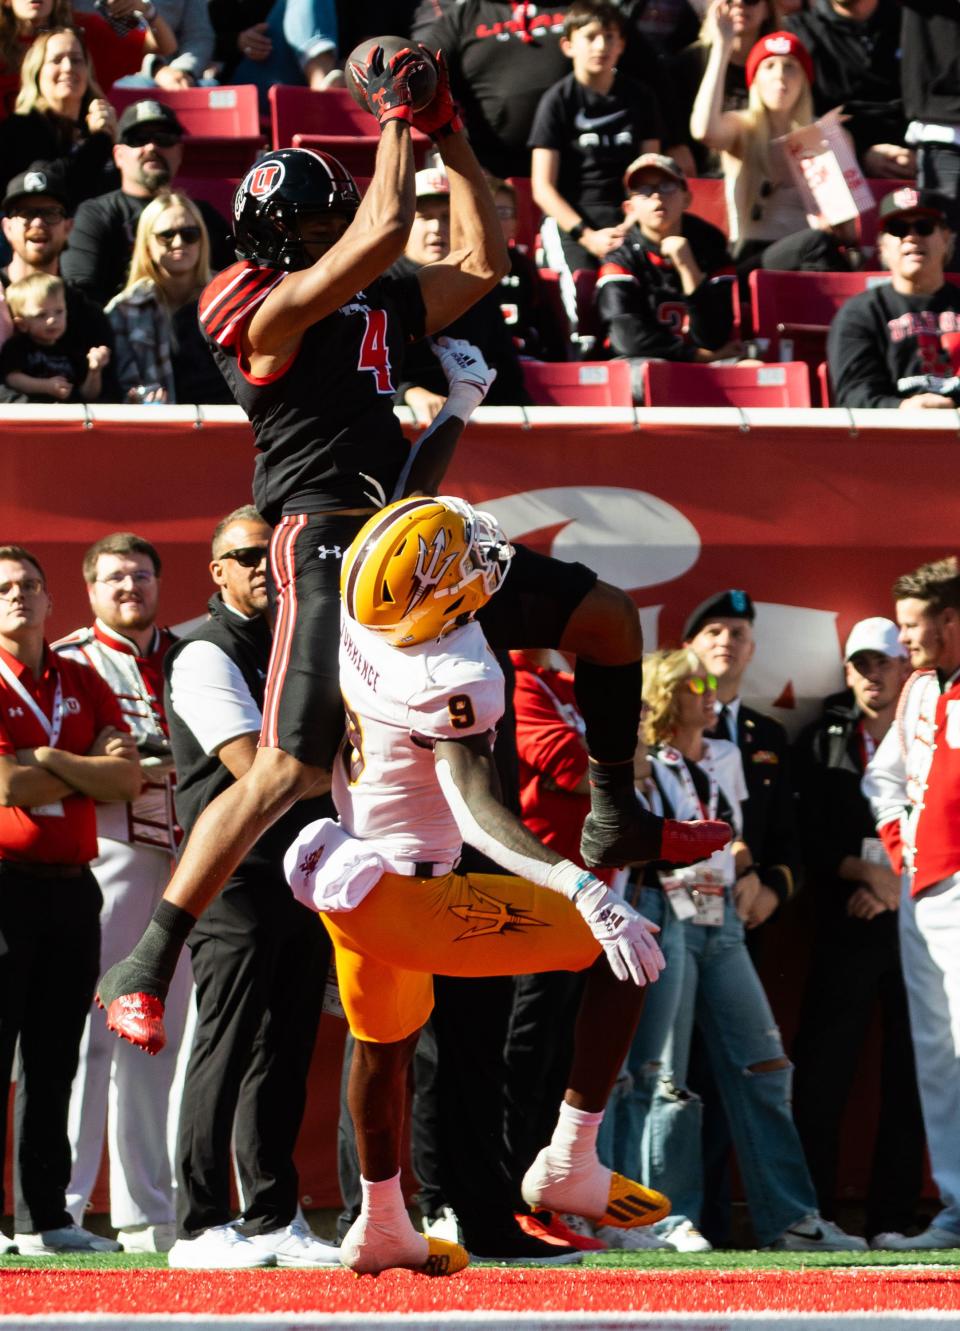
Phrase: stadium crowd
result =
(598, 127)
(639, 155)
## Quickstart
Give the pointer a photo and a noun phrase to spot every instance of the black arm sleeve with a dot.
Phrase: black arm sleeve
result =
(711, 313)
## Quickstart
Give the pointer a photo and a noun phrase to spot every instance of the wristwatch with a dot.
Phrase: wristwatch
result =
(577, 231)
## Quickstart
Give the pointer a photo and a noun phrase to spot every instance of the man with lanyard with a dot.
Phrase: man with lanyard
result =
(307, 329)
(136, 841)
(855, 970)
(913, 784)
(63, 745)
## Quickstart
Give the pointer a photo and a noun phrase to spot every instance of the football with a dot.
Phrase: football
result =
(423, 81)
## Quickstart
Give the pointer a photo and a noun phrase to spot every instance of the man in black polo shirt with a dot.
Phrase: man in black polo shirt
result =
(260, 959)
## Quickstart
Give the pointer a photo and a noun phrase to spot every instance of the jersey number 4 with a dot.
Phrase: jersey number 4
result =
(374, 352)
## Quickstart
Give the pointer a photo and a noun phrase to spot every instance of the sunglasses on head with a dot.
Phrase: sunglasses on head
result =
(902, 227)
(188, 234)
(160, 138)
(248, 556)
(700, 684)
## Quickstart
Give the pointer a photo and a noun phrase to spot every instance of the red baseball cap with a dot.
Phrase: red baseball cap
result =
(778, 43)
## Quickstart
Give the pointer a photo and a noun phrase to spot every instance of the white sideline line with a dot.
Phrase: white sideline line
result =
(918, 1320)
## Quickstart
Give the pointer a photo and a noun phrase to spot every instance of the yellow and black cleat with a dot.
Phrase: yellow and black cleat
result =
(630, 1204)
(444, 1259)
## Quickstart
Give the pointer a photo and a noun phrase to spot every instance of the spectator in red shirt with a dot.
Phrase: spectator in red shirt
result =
(63, 746)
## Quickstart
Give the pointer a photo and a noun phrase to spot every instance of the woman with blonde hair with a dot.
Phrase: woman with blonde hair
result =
(60, 117)
(752, 19)
(710, 979)
(20, 22)
(160, 355)
(763, 204)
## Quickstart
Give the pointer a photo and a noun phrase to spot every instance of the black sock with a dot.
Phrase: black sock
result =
(149, 967)
(609, 701)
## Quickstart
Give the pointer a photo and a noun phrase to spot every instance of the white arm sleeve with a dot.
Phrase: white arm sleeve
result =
(210, 695)
(884, 782)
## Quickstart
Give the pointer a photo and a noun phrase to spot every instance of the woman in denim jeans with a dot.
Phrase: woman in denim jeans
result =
(710, 979)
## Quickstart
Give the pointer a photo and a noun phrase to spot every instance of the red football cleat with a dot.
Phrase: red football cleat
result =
(548, 1226)
(139, 1019)
(688, 843)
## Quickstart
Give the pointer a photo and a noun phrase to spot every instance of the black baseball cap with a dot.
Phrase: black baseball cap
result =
(911, 202)
(149, 112)
(39, 178)
(730, 604)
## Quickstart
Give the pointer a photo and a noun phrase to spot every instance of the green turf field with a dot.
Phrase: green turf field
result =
(652, 1261)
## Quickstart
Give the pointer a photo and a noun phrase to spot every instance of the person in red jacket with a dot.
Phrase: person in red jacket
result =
(913, 784)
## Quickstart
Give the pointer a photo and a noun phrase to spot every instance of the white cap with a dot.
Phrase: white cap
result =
(874, 635)
(430, 182)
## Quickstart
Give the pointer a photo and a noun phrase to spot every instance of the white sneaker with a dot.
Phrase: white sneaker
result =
(7, 1246)
(220, 1248)
(151, 1238)
(814, 1234)
(932, 1238)
(632, 1240)
(443, 1225)
(296, 1245)
(685, 1237)
(69, 1238)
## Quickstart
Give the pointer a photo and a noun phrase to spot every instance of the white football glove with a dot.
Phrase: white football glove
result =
(625, 935)
(464, 365)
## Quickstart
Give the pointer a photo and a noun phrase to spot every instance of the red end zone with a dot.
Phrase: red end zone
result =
(36, 1292)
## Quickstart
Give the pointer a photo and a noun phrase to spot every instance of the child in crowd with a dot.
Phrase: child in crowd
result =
(587, 130)
(44, 360)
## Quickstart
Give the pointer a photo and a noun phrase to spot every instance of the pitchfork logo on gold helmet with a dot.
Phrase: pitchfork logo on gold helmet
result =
(422, 567)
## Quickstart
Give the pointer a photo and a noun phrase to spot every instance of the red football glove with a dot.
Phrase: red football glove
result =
(386, 85)
(439, 117)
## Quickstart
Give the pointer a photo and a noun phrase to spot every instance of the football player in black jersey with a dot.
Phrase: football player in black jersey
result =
(307, 333)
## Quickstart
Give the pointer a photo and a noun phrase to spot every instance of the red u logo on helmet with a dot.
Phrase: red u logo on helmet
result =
(265, 178)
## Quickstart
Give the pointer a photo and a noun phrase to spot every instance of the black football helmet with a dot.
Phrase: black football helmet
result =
(280, 188)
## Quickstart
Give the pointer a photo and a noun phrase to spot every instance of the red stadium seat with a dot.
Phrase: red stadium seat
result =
(578, 383)
(222, 124)
(218, 191)
(793, 311)
(528, 214)
(551, 291)
(709, 201)
(356, 152)
(304, 111)
(826, 389)
(676, 384)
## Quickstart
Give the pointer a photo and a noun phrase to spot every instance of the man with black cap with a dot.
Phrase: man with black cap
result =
(37, 224)
(148, 154)
(720, 631)
(855, 970)
(896, 345)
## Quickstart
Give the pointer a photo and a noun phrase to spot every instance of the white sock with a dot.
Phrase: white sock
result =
(383, 1201)
(383, 1235)
(574, 1139)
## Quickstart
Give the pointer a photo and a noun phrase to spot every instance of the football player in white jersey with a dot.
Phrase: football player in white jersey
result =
(414, 779)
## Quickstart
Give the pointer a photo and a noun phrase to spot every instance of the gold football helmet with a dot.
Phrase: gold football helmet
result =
(422, 567)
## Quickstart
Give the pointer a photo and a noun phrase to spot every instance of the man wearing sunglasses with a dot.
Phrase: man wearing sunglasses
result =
(37, 224)
(658, 295)
(898, 345)
(256, 953)
(148, 154)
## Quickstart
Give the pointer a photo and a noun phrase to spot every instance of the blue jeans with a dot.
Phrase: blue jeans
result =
(300, 30)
